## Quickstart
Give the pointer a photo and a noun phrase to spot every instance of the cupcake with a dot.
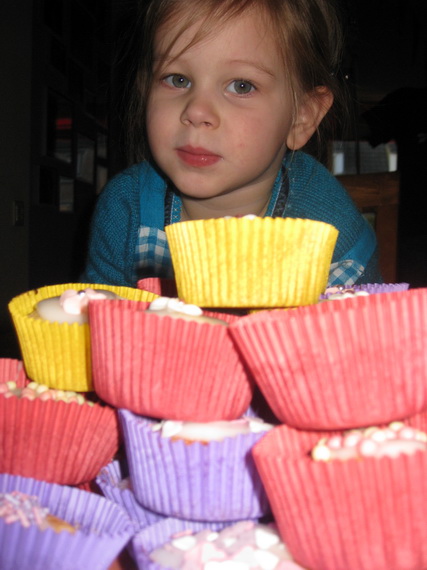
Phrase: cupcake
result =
(362, 511)
(251, 262)
(244, 545)
(337, 365)
(99, 528)
(174, 362)
(204, 476)
(59, 442)
(58, 354)
(339, 292)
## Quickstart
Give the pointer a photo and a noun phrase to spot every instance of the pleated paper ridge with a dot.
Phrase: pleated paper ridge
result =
(356, 514)
(209, 482)
(103, 530)
(113, 486)
(340, 364)
(239, 262)
(54, 441)
(164, 367)
(54, 354)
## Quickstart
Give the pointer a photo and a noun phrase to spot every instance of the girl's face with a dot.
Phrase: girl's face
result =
(220, 114)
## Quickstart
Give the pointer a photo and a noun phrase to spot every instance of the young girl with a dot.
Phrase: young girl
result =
(226, 94)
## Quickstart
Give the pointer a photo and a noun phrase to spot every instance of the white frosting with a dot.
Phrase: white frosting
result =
(242, 546)
(71, 306)
(173, 307)
(210, 431)
(391, 441)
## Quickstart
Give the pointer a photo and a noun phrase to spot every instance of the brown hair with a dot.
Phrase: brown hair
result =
(308, 35)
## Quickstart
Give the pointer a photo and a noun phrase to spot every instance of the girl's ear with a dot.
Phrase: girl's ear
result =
(310, 113)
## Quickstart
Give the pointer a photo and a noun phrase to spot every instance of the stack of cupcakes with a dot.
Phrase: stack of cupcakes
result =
(164, 366)
(55, 432)
(334, 367)
(321, 368)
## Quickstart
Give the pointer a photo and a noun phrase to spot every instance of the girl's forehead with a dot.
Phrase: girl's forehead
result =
(177, 35)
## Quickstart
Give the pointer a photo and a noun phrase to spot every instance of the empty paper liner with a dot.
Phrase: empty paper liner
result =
(340, 364)
(250, 263)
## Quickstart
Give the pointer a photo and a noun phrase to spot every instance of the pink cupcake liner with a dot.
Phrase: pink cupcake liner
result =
(13, 369)
(356, 514)
(164, 367)
(119, 490)
(198, 481)
(159, 286)
(58, 442)
(103, 529)
(337, 365)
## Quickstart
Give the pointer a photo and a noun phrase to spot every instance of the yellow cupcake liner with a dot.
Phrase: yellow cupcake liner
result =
(55, 354)
(251, 263)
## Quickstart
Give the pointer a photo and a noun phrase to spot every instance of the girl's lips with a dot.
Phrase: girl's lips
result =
(197, 156)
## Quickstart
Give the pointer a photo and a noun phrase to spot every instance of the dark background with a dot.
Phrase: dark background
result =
(63, 60)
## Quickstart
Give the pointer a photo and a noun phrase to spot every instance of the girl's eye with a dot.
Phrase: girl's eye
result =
(178, 81)
(240, 87)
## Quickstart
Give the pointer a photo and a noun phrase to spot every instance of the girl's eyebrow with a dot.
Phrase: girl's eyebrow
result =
(256, 64)
(165, 59)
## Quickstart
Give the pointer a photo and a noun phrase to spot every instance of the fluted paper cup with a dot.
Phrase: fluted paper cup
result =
(58, 442)
(215, 481)
(102, 530)
(118, 489)
(370, 288)
(358, 514)
(163, 367)
(55, 354)
(159, 286)
(336, 365)
(250, 263)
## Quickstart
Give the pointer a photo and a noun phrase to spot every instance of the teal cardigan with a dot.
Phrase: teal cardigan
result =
(133, 204)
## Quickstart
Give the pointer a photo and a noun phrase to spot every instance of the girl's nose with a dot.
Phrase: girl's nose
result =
(200, 111)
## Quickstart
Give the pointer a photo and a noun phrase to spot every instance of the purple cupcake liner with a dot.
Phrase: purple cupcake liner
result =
(374, 288)
(119, 490)
(159, 533)
(196, 481)
(103, 530)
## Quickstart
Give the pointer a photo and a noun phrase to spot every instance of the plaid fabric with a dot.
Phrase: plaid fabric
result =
(152, 255)
(345, 272)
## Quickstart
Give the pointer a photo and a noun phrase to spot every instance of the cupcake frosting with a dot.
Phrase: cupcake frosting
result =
(27, 510)
(71, 305)
(173, 307)
(243, 546)
(210, 431)
(33, 390)
(390, 441)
